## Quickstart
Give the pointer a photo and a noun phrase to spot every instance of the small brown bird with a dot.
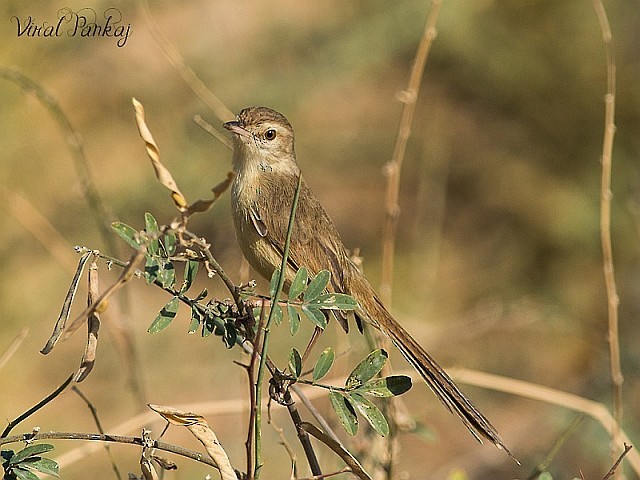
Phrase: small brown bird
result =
(266, 176)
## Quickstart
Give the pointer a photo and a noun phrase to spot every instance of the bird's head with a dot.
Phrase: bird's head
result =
(263, 139)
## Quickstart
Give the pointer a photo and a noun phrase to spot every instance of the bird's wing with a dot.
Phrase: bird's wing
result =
(315, 242)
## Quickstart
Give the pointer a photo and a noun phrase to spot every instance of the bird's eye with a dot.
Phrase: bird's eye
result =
(270, 134)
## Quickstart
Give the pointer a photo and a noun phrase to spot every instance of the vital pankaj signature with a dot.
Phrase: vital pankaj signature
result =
(82, 23)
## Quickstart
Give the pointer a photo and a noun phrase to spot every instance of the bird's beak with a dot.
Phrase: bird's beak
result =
(236, 127)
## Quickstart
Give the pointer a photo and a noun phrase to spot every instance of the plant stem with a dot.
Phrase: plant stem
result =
(99, 437)
(37, 406)
(393, 168)
(605, 224)
(265, 342)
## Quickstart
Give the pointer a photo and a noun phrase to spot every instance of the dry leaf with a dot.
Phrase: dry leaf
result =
(162, 173)
(66, 306)
(100, 304)
(198, 426)
(93, 326)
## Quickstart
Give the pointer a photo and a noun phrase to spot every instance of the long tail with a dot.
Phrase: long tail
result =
(434, 376)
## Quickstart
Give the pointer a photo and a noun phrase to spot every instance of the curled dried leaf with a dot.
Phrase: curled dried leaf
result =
(175, 416)
(220, 188)
(66, 307)
(198, 426)
(200, 206)
(93, 326)
(148, 470)
(126, 275)
(162, 173)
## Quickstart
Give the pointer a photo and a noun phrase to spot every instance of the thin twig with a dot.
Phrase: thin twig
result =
(36, 407)
(304, 398)
(96, 419)
(285, 443)
(183, 452)
(560, 441)
(13, 347)
(38, 225)
(265, 342)
(205, 248)
(305, 441)
(595, 410)
(327, 475)
(253, 392)
(207, 127)
(338, 449)
(393, 168)
(605, 221)
(101, 303)
(74, 140)
(187, 74)
(613, 469)
(287, 400)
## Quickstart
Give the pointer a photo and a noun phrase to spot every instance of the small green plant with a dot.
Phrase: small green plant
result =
(22, 465)
(307, 298)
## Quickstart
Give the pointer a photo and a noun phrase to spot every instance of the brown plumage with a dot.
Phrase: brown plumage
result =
(266, 171)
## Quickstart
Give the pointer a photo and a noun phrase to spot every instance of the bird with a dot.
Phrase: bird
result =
(265, 181)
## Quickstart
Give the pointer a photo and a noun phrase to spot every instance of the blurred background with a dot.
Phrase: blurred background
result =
(498, 264)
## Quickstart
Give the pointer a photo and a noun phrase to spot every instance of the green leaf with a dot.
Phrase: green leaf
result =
(43, 465)
(273, 285)
(196, 320)
(367, 369)
(208, 326)
(230, 334)
(167, 275)
(370, 412)
(151, 269)
(23, 474)
(277, 313)
(390, 386)
(295, 363)
(323, 364)
(202, 295)
(315, 315)
(151, 226)
(190, 271)
(127, 233)
(165, 317)
(545, 476)
(294, 319)
(335, 301)
(299, 283)
(344, 410)
(170, 241)
(317, 285)
(6, 455)
(30, 451)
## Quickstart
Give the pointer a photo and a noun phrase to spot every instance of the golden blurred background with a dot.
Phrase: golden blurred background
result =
(498, 263)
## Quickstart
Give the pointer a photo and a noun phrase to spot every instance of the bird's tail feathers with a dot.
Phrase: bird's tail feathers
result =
(434, 376)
